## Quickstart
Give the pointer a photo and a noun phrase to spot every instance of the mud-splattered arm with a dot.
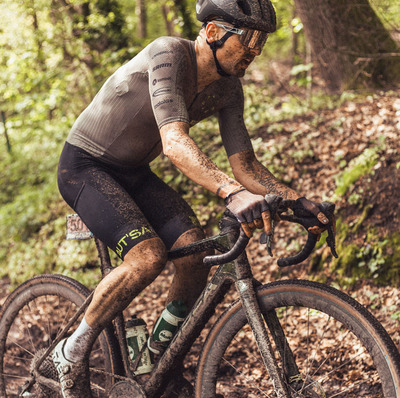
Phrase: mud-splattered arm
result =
(195, 164)
(256, 177)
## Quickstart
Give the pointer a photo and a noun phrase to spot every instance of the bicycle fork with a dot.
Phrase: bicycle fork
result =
(245, 287)
(250, 305)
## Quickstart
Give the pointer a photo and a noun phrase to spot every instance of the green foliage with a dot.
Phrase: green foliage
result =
(357, 168)
(395, 315)
(32, 213)
(301, 76)
(374, 258)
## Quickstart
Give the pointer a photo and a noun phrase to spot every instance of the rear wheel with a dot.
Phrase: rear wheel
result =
(31, 318)
(341, 350)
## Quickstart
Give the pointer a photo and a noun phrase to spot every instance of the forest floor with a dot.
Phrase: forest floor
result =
(361, 123)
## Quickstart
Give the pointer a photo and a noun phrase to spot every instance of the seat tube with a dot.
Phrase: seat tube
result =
(251, 307)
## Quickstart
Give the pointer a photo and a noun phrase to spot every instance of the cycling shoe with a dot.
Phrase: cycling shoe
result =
(74, 377)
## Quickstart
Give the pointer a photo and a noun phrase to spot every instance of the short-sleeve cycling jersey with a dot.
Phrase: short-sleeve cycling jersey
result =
(158, 86)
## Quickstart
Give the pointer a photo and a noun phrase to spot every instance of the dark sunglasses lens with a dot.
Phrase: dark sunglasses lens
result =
(254, 38)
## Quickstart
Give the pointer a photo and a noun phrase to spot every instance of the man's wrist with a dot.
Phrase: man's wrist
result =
(227, 188)
(234, 191)
(228, 198)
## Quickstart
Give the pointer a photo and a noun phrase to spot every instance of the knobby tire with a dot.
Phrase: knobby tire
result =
(340, 348)
(30, 319)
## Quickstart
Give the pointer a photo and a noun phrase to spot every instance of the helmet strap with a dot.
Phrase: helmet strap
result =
(215, 45)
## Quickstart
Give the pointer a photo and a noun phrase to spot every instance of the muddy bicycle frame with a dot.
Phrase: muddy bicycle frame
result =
(238, 272)
(234, 268)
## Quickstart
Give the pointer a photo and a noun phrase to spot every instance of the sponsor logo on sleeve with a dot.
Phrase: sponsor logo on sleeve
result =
(164, 65)
(166, 101)
(162, 53)
(155, 81)
(161, 91)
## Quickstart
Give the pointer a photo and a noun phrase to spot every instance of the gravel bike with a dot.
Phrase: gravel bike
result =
(288, 338)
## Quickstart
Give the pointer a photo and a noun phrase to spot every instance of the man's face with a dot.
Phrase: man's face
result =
(234, 56)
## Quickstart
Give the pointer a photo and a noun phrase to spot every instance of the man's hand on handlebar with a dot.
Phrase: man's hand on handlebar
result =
(305, 208)
(247, 209)
(251, 210)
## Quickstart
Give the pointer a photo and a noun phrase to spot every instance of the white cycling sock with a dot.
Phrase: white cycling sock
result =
(80, 342)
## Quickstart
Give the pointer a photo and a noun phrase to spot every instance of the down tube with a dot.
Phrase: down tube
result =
(202, 311)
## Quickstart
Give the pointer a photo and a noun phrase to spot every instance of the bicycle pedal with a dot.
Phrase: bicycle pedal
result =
(126, 389)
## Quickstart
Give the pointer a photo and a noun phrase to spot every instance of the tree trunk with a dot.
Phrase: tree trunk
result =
(169, 24)
(350, 46)
(38, 37)
(3, 119)
(189, 30)
(142, 14)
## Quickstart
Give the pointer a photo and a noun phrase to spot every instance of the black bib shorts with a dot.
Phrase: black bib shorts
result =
(122, 206)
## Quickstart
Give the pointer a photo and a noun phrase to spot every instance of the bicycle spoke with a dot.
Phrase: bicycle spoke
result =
(49, 328)
(22, 348)
(331, 354)
(314, 356)
(28, 329)
(318, 349)
(16, 376)
(246, 377)
(36, 318)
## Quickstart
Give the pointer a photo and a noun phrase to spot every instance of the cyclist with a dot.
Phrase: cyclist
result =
(148, 106)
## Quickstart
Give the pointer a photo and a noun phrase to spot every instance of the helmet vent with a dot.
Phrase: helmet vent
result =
(244, 6)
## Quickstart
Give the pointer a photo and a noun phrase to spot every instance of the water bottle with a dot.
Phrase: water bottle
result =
(136, 337)
(166, 326)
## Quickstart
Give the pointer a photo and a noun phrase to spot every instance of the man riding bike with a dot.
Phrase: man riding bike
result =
(147, 107)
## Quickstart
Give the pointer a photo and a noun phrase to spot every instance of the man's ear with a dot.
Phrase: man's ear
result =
(212, 32)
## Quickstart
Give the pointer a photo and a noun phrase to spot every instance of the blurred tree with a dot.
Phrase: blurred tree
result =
(99, 23)
(185, 12)
(350, 46)
(169, 24)
(142, 18)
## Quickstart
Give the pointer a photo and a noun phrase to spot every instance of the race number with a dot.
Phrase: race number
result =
(76, 229)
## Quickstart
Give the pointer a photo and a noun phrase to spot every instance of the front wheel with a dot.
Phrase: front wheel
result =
(31, 318)
(340, 349)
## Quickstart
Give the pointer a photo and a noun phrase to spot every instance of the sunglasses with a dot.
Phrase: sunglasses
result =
(248, 37)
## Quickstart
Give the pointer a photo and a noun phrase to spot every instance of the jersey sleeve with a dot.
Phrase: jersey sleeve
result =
(168, 64)
(234, 134)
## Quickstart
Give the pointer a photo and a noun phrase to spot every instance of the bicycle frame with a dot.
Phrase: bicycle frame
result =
(237, 272)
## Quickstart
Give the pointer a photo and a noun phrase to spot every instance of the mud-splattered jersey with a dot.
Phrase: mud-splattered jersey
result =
(158, 86)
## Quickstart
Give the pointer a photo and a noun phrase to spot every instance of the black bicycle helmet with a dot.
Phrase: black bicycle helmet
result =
(253, 14)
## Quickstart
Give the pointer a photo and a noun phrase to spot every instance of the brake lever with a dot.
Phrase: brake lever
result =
(308, 223)
(330, 240)
(268, 239)
(274, 202)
